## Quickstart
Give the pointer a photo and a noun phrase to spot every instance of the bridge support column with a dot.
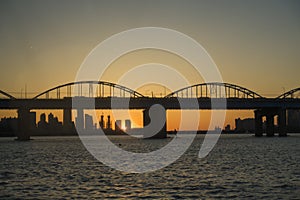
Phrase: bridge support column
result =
(151, 127)
(67, 119)
(80, 119)
(270, 125)
(282, 123)
(23, 133)
(258, 123)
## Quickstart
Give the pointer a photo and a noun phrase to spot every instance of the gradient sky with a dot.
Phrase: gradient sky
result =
(255, 44)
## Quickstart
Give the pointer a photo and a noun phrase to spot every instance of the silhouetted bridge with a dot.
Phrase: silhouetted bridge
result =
(100, 95)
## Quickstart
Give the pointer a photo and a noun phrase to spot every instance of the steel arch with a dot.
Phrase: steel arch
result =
(289, 93)
(7, 95)
(238, 91)
(104, 83)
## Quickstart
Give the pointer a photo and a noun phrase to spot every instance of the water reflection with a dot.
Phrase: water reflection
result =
(240, 166)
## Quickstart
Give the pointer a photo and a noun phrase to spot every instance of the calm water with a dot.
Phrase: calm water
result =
(240, 166)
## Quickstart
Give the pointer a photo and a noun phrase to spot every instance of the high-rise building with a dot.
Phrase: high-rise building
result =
(127, 124)
(101, 123)
(80, 119)
(9, 124)
(108, 123)
(89, 125)
(67, 118)
(43, 117)
(245, 125)
(118, 125)
(227, 128)
(42, 124)
(50, 117)
(53, 122)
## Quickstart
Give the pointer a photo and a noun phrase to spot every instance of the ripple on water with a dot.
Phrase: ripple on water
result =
(240, 166)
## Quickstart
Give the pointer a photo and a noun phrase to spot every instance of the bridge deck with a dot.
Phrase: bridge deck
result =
(143, 103)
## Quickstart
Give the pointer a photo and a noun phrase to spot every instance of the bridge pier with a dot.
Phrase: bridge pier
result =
(67, 119)
(282, 123)
(80, 119)
(258, 123)
(158, 117)
(23, 133)
(270, 125)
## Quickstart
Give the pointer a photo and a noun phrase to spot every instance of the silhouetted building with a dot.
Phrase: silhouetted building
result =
(101, 123)
(244, 125)
(50, 117)
(227, 128)
(118, 125)
(52, 127)
(53, 122)
(79, 119)
(127, 124)
(108, 123)
(42, 124)
(8, 126)
(89, 122)
(217, 128)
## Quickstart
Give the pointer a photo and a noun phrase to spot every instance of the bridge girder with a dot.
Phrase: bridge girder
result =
(214, 90)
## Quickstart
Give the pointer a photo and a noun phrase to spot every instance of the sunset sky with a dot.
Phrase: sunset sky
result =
(255, 44)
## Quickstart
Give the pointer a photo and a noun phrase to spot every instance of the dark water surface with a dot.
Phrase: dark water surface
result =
(240, 166)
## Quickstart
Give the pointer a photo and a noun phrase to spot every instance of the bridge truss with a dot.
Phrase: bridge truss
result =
(89, 89)
(6, 95)
(294, 93)
(96, 89)
(214, 90)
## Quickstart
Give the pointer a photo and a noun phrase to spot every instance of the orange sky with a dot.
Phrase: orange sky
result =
(173, 117)
(255, 44)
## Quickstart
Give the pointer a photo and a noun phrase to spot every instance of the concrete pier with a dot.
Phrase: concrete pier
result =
(152, 124)
(23, 133)
(67, 119)
(282, 130)
(270, 126)
(258, 123)
(80, 119)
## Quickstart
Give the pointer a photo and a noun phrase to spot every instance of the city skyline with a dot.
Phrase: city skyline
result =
(53, 125)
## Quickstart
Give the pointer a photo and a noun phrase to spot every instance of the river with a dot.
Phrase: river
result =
(239, 166)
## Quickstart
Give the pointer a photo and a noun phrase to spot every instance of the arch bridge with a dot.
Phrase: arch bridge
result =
(293, 94)
(6, 95)
(214, 90)
(107, 89)
(89, 89)
(237, 98)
